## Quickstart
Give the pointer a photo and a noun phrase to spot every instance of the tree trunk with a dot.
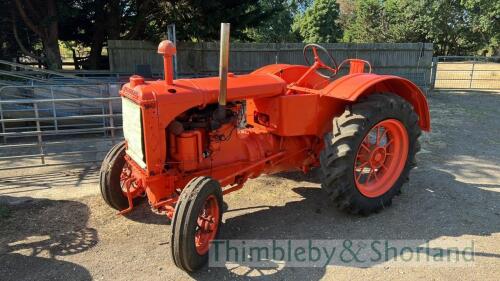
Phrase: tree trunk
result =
(52, 54)
(99, 35)
(114, 20)
(43, 23)
(51, 43)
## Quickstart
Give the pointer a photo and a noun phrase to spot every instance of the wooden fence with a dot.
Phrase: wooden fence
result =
(410, 60)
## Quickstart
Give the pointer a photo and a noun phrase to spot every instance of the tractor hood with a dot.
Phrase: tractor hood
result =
(189, 93)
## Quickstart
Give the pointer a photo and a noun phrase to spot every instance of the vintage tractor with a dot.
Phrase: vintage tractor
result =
(190, 141)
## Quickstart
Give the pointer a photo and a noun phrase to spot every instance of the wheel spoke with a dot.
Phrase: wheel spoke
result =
(363, 145)
(359, 176)
(383, 166)
(388, 143)
(369, 175)
(362, 166)
(383, 135)
(377, 140)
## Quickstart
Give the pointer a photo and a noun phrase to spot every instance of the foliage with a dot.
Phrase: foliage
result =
(277, 27)
(456, 27)
(319, 22)
(36, 28)
(485, 21)
(199, 20)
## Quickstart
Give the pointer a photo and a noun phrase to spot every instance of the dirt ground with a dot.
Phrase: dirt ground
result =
(54, 226)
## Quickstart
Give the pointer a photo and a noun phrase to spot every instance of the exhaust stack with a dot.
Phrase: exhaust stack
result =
(223, 62)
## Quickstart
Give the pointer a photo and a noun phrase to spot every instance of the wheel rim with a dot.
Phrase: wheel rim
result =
(126, 179)
(206, 225)
(381, 158)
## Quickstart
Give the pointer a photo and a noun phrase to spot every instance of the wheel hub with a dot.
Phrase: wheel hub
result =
(377, 157)
(206, 225)
(128, 183)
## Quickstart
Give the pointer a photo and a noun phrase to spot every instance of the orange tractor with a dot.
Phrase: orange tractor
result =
(190, 141)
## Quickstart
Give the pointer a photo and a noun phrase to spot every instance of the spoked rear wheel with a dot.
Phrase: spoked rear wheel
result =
(196, 223)
(368, 156)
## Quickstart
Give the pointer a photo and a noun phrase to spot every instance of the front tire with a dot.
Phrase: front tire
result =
(196, 222)
(368, 156)
(112, 176)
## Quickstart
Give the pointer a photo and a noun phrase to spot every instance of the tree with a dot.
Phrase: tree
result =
(346, 9)
(41, 17)
(485, 21)
(93, 22)
(319, 22)
(195, 20)
(9, 47)
(456, 27)
(199, 20)
(369, 23)
(278, 25)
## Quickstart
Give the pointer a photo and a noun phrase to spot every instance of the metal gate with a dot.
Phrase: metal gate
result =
(58, 129)
(465, 72)
(47, 118)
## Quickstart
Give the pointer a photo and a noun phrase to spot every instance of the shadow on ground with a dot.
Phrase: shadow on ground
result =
(454, 192)
(446, 211)
(31, 249)
(24, 184)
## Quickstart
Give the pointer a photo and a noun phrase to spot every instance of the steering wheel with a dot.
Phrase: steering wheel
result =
(318, 63)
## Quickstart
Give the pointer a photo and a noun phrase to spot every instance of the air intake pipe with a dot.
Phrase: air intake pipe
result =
(168, 50)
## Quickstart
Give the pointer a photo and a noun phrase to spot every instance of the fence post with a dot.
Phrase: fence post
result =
(39, 133)
(54, 113)
(277, 47)
(111, 120)
(103, 111)
(4, 138)
(172, 37)
(433, 73)
(472, 73)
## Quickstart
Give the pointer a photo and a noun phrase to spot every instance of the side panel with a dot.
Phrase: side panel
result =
(296, 115)
(351, 87)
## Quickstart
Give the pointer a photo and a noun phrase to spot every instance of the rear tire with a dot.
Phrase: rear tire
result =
(390, 156)
(196, 222)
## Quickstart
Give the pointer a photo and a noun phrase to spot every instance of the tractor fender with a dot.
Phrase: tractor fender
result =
(352, 87)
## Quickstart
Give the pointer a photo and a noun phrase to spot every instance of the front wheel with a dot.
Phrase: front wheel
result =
(368, 156)
(114, 175)
(196, 223)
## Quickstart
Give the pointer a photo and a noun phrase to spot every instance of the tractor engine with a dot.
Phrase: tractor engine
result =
(198, 140)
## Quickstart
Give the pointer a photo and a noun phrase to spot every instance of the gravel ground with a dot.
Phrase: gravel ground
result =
(54, 226)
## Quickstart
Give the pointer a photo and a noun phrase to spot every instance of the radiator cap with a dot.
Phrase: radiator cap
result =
(136, 80)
